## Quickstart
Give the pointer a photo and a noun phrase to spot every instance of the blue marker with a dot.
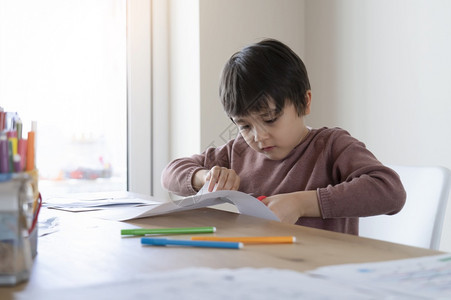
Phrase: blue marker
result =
(208, 244)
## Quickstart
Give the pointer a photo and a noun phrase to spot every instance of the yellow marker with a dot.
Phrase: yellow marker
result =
(13, 141)
(249, 239)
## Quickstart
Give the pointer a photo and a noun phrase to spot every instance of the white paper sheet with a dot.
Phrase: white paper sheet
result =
(418, 278)
(97, 201)
(245, 204)
(426, 277)
(205, 283)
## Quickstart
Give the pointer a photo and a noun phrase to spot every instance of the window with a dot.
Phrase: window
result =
(63, 63)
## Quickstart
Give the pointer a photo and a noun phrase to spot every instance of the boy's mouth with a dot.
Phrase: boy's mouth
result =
(268, 149)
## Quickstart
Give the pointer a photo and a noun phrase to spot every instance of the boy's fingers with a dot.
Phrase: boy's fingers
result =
(214, 175)
(212, 183)
(264, 200)
(232, 181)
(236, 184)
(223, 177)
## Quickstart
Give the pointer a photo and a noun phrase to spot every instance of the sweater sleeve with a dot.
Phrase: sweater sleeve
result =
(364, 187)
(177, 176)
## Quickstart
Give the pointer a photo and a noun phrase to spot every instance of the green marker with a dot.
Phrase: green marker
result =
(185, 230)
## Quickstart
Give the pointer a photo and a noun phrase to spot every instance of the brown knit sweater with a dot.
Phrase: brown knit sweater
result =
(350, 182)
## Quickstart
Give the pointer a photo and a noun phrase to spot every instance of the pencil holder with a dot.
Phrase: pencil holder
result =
(37, 201)
(16, 218)
(34, 176)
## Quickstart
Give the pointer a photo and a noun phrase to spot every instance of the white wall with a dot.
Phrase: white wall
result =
(184, 69)
(382, 70)
(202, 35)
(160, 93)
(138, 95)
(225, 28)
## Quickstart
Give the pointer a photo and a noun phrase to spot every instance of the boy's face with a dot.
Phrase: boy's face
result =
(274, 135)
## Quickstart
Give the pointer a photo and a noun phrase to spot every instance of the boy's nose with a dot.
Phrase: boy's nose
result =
(260, 133)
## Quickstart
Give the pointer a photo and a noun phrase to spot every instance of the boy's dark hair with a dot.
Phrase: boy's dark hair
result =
(265, 71)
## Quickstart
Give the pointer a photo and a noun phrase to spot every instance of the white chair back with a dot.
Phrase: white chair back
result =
(420, 222)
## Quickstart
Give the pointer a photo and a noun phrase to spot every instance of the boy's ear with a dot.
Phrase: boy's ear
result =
(308, 96)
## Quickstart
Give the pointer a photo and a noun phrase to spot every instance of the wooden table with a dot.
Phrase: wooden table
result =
(87, 250)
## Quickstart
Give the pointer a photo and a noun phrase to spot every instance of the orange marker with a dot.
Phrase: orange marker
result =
(30, 151)
(249, 239)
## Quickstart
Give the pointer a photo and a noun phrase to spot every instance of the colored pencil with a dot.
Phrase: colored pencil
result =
(204, 244)
(185, 230)
(249, 239)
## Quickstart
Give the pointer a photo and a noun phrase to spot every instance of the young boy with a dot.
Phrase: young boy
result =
(321, 178)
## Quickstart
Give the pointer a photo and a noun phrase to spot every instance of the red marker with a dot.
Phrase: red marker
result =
(261, 198)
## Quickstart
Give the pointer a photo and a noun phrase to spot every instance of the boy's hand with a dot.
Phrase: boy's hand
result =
(290, 207)
(222, 178)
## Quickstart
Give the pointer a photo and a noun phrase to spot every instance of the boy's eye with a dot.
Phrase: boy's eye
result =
(243, 127)
(270, 121)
